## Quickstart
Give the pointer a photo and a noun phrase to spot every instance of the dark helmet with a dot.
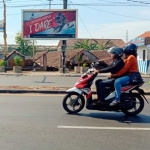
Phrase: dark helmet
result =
(117, 51)
(130, 49)
(59, 13)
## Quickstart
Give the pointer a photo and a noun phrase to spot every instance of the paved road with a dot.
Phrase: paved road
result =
(11, 80)
(30, 122)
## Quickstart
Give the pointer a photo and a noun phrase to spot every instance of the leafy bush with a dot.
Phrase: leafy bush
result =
(2, 63)
(18, 60)
(84, 65)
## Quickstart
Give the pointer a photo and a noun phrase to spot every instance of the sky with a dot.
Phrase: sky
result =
(107, 19)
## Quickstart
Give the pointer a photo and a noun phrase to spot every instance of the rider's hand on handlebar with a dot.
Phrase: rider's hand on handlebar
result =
(96, 71)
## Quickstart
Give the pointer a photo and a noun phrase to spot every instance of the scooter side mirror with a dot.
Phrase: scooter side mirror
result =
(92, 65)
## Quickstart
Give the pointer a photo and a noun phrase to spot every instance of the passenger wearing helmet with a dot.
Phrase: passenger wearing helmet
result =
(116, 54)
(130, 68)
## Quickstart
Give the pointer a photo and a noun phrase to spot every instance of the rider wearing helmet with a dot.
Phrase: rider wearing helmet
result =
(116, 54)
(130, 69)
(130, 49)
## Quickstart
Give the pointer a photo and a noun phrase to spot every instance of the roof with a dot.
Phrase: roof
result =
(102, 56)
(14, 52)
(39, 54)
(72, 53)
(113, 42)
(145, 34)
(54, 57)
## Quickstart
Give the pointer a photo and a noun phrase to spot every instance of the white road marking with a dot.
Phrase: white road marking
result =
(102, 128)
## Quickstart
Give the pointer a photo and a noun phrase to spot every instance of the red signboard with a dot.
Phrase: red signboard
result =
(51, 24)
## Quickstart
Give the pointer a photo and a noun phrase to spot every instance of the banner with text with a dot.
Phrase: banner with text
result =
(50, 24)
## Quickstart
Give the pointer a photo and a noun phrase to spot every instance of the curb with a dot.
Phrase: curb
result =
(43, 92)
(33, 91)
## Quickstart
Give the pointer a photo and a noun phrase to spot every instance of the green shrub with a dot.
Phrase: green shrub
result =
(2, 62)
(84, 65)
(18, 60)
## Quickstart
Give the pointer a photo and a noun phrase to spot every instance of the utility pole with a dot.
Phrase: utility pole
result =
(64, 43)
(33, 51)
(5, 35)
(50, 3)
(34, 65)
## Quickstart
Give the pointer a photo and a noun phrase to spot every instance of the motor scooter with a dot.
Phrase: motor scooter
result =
(131, 99)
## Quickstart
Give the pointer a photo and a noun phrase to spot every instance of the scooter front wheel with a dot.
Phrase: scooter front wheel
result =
(73, 102)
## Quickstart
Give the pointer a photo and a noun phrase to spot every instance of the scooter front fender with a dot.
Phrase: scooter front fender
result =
(74, 89)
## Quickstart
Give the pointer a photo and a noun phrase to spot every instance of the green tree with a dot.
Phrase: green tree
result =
(80, 58)
(82, 44)
(85, 45)
(25, 47)
(92, 46)
(102, 45)
(2, 62)
(18, 60)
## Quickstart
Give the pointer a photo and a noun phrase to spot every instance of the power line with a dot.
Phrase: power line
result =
(19, 30)
(83, 23)
(102, 3)
(28, 5)
(118, 14)
(33, 7)
(138, 1)
(114, 2)
(95, 4)
(81, 4)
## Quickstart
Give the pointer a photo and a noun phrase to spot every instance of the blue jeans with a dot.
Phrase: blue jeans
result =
(123, 81)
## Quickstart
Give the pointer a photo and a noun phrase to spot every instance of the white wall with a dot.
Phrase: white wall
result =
(148, 54)
(140, 52)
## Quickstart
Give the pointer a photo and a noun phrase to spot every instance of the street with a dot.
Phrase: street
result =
(58, 81)
(38, 122)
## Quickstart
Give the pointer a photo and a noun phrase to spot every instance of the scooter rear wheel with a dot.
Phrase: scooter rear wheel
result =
(75, 101)
(134, 111)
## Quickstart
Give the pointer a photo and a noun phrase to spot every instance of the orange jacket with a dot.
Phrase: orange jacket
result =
(130, 66)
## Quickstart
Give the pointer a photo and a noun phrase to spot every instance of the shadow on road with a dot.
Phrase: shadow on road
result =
(43, 81)
(141, 118)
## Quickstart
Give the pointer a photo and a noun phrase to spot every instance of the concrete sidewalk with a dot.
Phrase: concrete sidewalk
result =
(48, 73)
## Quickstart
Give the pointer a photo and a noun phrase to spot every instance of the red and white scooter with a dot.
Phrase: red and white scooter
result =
(132, 97)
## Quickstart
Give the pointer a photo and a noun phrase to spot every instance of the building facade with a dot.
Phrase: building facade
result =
(143, 51)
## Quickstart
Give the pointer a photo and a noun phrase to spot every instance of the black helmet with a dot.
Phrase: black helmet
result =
(130, 49)
(117, 51)
(59, 13)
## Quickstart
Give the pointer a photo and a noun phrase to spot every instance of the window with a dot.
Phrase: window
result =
(143, 55)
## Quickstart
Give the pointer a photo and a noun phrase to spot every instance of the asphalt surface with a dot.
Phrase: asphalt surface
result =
(31, 121)
(58, 81)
